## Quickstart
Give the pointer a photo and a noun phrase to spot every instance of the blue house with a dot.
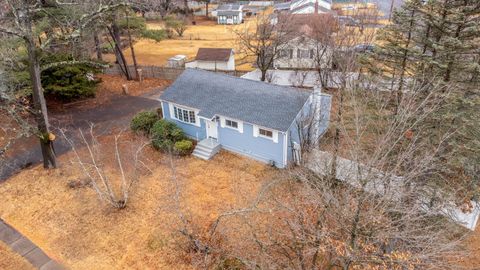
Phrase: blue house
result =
(256, 119)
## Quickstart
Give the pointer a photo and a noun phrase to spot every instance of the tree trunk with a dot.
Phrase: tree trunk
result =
(206, 8)
(187, 11)
(40, 106)
(391, 10)
(115, 33)
(264, 75)
(98, 49)
(404, 63)
(135, 65)
(336, 138)
(451, 56)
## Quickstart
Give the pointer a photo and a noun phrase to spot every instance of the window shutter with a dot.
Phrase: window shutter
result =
(170, 109)
(275, 136)
(240, 126)
(255, 131)
(291, 53)
(222, 122)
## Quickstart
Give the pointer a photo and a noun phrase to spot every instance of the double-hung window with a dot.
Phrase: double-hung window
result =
(303, 53)
(231, 124)
(265, 133)
(286, 53)
(184, 115)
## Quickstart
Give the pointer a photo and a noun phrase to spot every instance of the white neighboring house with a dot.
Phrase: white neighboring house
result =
(213, 59)
(301, 53)
(305, 6)
(229, 14)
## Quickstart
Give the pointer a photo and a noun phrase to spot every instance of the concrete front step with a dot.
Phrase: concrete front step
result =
(206, 149)
(202, 153)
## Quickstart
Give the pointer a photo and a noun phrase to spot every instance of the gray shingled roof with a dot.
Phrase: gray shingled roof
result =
(228, 12)
(231, 7)
(255, 102)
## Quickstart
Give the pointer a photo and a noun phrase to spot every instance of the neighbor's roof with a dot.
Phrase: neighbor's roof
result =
(230, 7)
(320, 8)
(213, 54)
(255, 102)
(228, 12)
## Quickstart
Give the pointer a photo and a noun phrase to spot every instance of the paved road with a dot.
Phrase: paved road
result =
(107, 117)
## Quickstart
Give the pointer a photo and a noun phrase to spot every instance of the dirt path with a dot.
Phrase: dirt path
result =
(111, 116)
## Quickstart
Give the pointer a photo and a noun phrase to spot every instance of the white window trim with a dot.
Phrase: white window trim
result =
(256, 133)
(223, 124)
(172, 114)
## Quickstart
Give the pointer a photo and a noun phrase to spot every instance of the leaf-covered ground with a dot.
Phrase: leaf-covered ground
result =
(9, 260)
(79, 231)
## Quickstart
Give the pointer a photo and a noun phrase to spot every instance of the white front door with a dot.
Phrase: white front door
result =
(212, 131)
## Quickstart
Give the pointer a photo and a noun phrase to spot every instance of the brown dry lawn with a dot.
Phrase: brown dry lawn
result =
(205, 33)
(72, 226)
(9, 260)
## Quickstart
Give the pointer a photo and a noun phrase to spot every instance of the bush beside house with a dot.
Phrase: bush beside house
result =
(165, 135)
(143, 122)
(183, 147)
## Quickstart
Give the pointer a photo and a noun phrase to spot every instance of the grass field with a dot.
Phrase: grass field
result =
(205, 34)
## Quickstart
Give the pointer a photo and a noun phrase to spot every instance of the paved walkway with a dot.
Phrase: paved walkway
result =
(26, 248)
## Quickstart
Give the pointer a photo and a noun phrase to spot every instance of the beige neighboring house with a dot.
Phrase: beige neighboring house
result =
(304, 50)
(213, 59)
(301, 53)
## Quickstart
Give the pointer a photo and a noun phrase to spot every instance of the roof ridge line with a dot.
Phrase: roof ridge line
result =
(240, 78)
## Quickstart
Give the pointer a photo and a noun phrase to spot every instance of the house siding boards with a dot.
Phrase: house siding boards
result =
(197, 132)
(300, 53)
(253, 105)
(259, 148)
(244, 142)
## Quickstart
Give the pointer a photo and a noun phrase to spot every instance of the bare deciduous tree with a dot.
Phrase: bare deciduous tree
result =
(382, 210)
(262, 41)
(94, 165)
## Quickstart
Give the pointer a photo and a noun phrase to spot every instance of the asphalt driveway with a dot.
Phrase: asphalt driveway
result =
(107, 118)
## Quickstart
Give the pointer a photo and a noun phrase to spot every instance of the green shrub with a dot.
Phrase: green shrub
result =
(134, 23)
(155, 34)
(70, 80)
(165, 134)
(177, 24)
(183, 147)
(143, 122)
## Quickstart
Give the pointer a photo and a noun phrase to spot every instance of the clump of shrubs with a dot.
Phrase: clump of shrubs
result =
(165, 135)
(143, 122)
(183, 147)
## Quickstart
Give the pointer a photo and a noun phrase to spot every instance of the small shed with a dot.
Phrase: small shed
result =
(213, 59)
(177, 61)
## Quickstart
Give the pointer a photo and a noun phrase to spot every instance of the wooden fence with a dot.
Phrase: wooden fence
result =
(166, 73)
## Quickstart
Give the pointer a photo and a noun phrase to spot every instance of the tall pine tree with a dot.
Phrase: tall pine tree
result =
(438, 41)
